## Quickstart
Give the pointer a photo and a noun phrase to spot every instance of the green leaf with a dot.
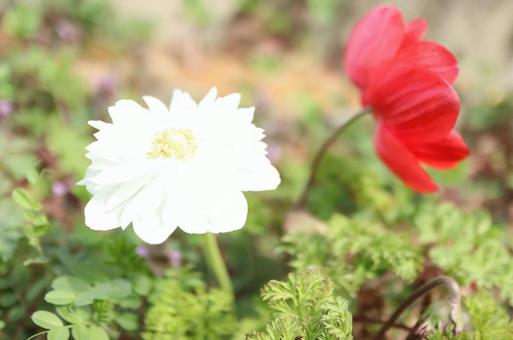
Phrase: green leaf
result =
(17, 165)
(131, 302)
(142, 285)
(23, 199)
(40, 225)
(16, 313)
(127, 321)
(33, 176)
(73, 315)
(121, 288)
(46, 319)
(98, 333)
(102, 291)
(489, 320)
(70, 283)
(37, 287)
(84, 298)
(116, 289)
(8, 299)
(69, 159)
(58, 334)
(80, 332)
(60, 297)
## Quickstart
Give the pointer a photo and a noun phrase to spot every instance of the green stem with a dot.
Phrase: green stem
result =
(300, 204)
(216, 263)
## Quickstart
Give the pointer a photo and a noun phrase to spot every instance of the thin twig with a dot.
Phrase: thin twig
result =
(322, 151)
(426, 301)
(454, 303)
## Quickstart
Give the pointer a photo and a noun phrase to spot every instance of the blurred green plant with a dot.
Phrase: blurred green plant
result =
(182, 308)
(305, 306)
(22, 21)
(354, 251)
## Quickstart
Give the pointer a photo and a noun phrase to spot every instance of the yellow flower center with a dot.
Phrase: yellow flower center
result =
(176, 144)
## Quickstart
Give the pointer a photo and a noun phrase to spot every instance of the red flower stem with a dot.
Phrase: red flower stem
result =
(322, 151)
(454, 303)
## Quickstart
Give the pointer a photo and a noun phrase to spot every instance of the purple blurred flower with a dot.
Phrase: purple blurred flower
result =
(142, 251)
(175, 258)
(68, 31)
(6, 108)
(60, 188)
(274, 152)
(106, 87)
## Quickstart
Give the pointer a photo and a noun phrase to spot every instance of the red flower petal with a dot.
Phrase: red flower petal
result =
(402, 162)
(415, 30)
(443, 155)
(432, 56)
(375, 39)
(416, 105)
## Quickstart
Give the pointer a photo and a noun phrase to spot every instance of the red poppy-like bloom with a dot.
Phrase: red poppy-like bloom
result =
(407, 82)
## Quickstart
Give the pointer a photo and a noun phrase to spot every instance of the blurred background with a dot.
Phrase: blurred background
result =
(63, 62)
(285, 57)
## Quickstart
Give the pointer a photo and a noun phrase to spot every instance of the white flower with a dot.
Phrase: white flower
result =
(184, 166)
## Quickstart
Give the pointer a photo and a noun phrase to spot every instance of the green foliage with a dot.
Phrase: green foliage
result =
(98, 19)
(46, 320)
(11, 231)
(182, 308)
(40, 75)
(197, 11)
(36, 223)
(487, 320)
(17, 157)
(323, 10)
(22, 21)
(480, 255)
(355, 250)
(305, 306)
(89, 308)
(70, 160)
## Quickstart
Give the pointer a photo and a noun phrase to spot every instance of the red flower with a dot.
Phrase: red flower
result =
(408, 84)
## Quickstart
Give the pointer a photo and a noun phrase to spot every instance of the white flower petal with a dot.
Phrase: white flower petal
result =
(229, 102)
(98, 124)
(97, 217)
(126, 111)
(155, 105)
(122, 173)
(182, 103)
(150, 199)
(152, 229)
(210, 98)
(227, 212)
(259, 177)
(91, 187)
(247, 114)
(127, 191)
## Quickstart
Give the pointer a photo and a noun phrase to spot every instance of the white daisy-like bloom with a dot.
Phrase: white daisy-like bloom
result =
(186, 166)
